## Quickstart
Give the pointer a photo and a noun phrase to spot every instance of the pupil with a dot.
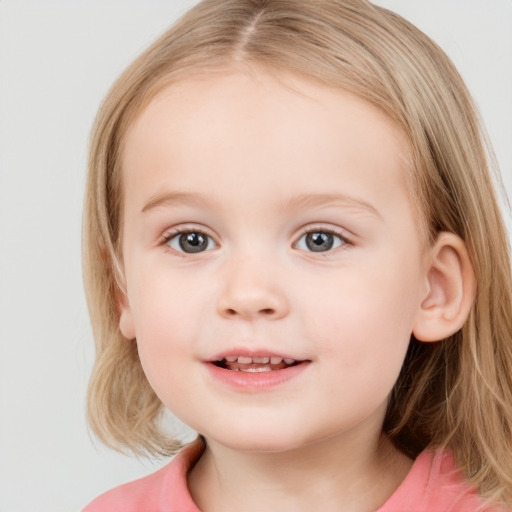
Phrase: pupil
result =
(193, 242)
(319, 242)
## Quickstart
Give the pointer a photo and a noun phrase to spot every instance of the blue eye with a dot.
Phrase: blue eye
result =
(191, 242)
(319, 241)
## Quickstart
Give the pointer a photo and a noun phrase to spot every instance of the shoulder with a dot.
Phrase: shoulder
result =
(131, 496)
(163, 491)
(435, 483)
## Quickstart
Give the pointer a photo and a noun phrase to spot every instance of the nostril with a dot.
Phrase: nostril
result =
(264, 311)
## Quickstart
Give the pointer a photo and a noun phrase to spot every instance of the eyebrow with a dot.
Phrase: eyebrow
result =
(170, 199)
(318, 200)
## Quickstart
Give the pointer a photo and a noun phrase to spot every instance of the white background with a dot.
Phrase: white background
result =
(57, 60)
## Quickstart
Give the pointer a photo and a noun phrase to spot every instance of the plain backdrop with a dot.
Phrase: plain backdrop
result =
(57, 60)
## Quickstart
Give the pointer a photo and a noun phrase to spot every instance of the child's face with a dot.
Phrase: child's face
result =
(302, 244)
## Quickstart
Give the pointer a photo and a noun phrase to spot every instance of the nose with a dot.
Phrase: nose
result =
(250, 292)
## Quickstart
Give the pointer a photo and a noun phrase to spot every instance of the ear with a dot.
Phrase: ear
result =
(126, 324)
(450, 292)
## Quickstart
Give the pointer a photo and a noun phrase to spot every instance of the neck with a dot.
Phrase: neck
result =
(330, 476)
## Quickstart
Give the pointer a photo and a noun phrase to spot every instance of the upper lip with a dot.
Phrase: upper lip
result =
(247, 353)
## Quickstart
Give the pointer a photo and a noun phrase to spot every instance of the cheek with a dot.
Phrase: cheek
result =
(164, 342)
(364, 317)
(164, 301)
(166, 318)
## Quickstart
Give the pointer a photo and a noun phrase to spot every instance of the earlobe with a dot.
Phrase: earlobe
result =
(451, 290)
(126, 324)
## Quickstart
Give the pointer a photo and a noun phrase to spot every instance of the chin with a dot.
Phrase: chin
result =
(260, 440)
(262, 445)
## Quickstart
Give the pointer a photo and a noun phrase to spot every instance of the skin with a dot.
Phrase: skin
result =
(249, 159)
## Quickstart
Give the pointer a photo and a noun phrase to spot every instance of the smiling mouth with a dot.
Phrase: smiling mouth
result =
(255, 364)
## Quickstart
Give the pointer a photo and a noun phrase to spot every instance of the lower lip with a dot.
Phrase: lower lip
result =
(256, 382)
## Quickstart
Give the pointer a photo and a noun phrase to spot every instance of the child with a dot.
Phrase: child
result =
(292, 242)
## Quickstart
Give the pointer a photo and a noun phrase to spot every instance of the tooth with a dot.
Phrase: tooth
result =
(289, 361)
(245, 360)
(231, 359)
(276, 360)
(257, 370)
(261, 360)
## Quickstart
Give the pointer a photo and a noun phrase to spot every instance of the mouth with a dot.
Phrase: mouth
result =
(256, 372)
(255, 364)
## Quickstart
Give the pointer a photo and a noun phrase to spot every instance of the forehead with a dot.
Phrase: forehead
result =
(253, 129)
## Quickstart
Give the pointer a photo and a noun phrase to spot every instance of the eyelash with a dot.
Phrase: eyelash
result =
(343, 239)
(176, 233)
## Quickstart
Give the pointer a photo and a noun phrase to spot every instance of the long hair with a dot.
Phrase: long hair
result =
(456, 393)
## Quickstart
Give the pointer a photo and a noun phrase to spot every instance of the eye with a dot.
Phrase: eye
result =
(320, 241)
(190, 242)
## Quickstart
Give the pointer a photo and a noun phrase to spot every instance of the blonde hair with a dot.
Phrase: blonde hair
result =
(456, 393)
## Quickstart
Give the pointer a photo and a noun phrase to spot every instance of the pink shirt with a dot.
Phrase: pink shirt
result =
(433, 485)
